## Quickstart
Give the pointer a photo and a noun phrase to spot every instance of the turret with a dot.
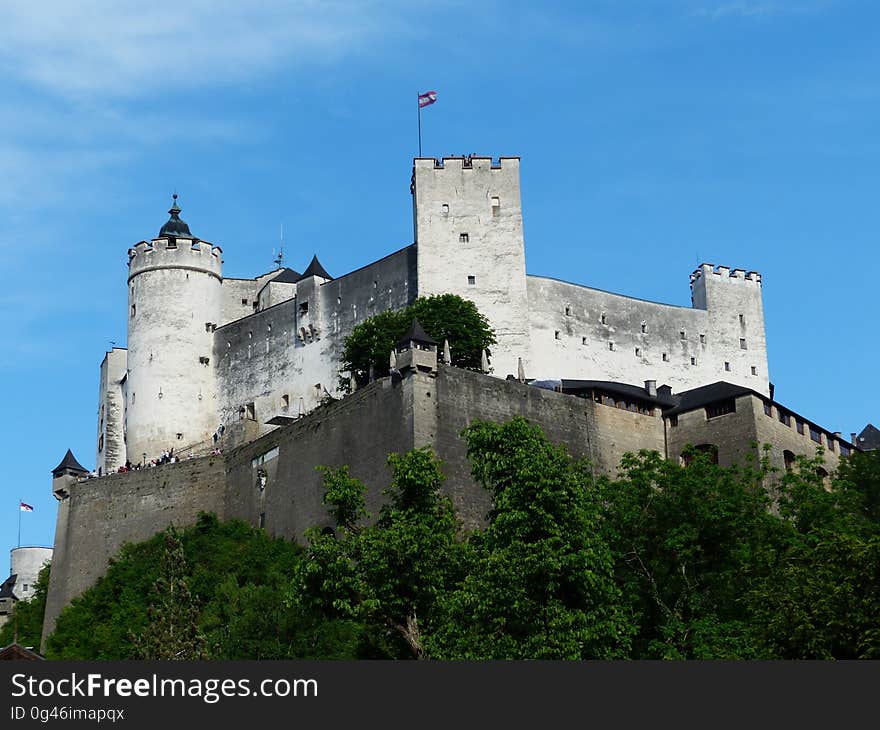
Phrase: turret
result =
(68, 472)
(174, 305)
(416, 350)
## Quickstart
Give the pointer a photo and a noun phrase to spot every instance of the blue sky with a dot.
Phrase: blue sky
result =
(652, 134)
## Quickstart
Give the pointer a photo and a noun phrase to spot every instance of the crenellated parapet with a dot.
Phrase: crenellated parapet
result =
(175, 253)
(724, 273)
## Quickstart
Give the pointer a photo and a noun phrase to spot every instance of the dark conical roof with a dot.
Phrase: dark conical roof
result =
(315, 269)
(175, 227)
(69, 462)
(416, 333)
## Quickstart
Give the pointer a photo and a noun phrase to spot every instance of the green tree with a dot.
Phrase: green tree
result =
(540, 583)
(385, 576)
(27, 620)
(689, 542)
(172, 630)
(444, 317)
(823, 599)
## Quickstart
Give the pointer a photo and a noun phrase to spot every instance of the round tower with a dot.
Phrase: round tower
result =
(173, 307)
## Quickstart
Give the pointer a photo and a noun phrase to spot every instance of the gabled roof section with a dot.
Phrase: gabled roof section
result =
(17, 651)
(417, 334)
(287, 276)
(69, 462)
(315, 269)
(624, 390)
(690, 400)
(869, 438)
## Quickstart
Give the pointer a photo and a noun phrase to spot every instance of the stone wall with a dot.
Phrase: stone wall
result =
(100, 515)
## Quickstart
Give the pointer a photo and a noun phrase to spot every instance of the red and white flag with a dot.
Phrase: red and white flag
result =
(428, 98)
(25, 507)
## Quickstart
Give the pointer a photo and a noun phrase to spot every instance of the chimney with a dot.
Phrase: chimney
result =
(651, 388)
(852, 437)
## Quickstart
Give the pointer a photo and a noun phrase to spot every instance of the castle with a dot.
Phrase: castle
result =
(214, 360)
(236, 372)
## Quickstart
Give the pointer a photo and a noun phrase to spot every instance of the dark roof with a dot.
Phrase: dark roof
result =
(625, 390)
(69, 462)
(869, 438)
(17, 651)
(287, 276)
(315, 269)
(175, 227)
(690, 400)
(7, 585)
(416, 333)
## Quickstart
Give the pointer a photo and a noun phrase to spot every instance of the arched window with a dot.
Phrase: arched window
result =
(789, 458)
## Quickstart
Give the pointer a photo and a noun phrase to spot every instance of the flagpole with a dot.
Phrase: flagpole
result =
(19, 521)
(418, 104)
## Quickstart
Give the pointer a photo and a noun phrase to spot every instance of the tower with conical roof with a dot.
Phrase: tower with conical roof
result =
(174, 285)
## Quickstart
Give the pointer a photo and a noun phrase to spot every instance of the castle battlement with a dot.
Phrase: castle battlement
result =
(724, 273)
(466, 162)
(161, 253)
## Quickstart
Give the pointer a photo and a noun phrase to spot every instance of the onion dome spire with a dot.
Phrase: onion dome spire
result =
(175, 227)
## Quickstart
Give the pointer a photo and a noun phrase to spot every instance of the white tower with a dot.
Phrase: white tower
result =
(469, 236)
(174, 305)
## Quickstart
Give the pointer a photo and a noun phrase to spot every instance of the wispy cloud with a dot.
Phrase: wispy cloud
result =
(127, 47)
(759, 8)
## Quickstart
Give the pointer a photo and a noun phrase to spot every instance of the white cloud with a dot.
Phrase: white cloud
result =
(122, 48)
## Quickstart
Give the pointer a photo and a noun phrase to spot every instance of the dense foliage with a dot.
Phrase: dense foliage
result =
(664, 561)
(444, 317)
(27, 620)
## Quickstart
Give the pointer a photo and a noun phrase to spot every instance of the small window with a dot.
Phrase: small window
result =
(583, 340)
(603, 319)
(24, 586)
(172, 244)
(556, 335)
(228, 345)
(101, 442)
(304, 307)
(693, 361)
(496, 203)
(133, 396)
(783, 417)
(133, 310)
(338, 300)
(285, 402)
(682, 335)
(610, 345)
(665, 357)
(638, 352)
(815, 435)
(250, 412)
(844, 449)
(204, 360)
(754, 370)
(799, 425)
(472, 280)
(702, 339)
(789, 458)
(444, 209)
(644, 327)
(768, 409)
(830, 442)
(742, 343)
(375, 284)
(244, 301)
(250, 335)
(742, 319)
(464, 238)
(180, 437)
(726, 366)
(262, 520)
(568, 311)
(207, 326)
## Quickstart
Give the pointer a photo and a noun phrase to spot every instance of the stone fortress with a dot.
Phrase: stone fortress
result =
(236, 374)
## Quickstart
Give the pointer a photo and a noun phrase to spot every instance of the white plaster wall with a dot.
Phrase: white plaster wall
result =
(26, 563)
(110, 451)
(175, 294)
(274, 293)
(733, 300)
(579, 345)
(239, 295)
(451, 198)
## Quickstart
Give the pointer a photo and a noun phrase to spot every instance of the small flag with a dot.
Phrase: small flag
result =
(428, 98)
(25, 507)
